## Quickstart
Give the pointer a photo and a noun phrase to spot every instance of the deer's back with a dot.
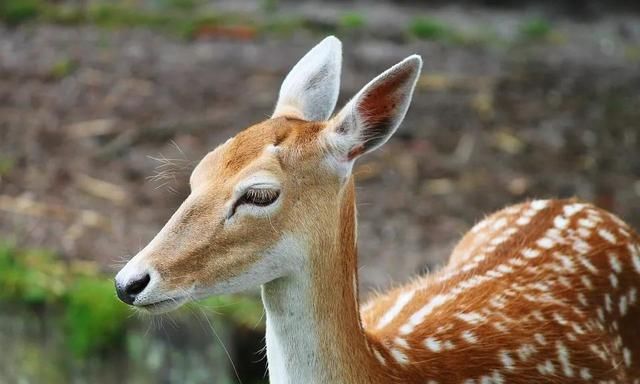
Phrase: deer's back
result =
(545, 291)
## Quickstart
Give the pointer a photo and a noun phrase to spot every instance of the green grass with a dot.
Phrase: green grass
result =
(536, 29)
(62, 68)
(6, 165)
(269, 6)
(92, 317)
(15, 12)
(190, 19)
(181, 5)
(175, 16)
(352, 20)
(283, 25)
(427, 28)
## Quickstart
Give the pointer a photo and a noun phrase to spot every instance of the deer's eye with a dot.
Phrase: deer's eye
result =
(260, 197)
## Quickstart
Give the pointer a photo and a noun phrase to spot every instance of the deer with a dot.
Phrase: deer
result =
(545, 291)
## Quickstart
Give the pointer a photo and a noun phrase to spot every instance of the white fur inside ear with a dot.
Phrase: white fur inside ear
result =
(310, 90)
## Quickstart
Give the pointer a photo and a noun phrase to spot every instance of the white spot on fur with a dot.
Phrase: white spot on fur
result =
(469, 337)
(399, 357)
(572, 209)
(506, 360)
(403, 299)
(566, 261)
(608, 236)
(563, 357)
(580, 246)
(608, 303)
(633, 294)
(559, 319)
(495, 378)
(601, 354)
(577, 328)
(401, 342)
(547, 368)
(626, 354)
(584, 232)
(586, 223)
(525, 351)
(433, 344)
(472, 318)
(615, 262)
(585, 374)
(614, 280)
(587, 263)
(545, 243)
(635, 256)
(560, 222)
(539, 205)
(499, 223)
(583, 299)
(530, 253)
(500, 327)
(419, 316)
(379, 357)
(586, 281)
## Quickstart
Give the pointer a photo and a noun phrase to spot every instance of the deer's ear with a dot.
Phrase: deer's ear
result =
(310, 90)
(374, 114)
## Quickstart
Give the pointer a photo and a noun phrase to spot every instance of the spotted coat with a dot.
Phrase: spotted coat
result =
(545, 291)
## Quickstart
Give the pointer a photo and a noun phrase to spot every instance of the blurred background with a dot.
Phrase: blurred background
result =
(106, 106)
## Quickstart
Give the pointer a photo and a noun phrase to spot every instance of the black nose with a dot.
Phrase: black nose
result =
(129, 292)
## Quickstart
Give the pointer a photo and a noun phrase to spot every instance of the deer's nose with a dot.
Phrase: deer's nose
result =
(128, 291)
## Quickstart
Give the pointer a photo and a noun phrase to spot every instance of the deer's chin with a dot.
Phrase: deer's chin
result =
(161, 306)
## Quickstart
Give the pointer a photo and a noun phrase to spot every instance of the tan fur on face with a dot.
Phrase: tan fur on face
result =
(199, 246)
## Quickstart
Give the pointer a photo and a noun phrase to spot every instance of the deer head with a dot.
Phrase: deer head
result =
(258, 200)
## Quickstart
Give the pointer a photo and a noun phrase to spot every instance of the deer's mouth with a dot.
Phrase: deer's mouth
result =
(162, 306)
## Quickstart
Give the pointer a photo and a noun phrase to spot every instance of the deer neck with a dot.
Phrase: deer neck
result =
(314, 334)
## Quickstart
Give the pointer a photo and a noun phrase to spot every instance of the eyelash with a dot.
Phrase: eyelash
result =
(260, 197)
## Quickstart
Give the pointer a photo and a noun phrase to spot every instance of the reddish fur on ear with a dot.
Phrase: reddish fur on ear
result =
(374, 114)
(380, 102)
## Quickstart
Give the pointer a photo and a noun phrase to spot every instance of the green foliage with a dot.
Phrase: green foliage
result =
(536, 29)
(93, 316)
(284, 25)
(270, 6)
(182, 5)
(116, 15)
(188, 28)
(6, 165)
(62, 68)
(63, 14)
(352, 20)
(14, 12)
(429, 29)
(31, 277)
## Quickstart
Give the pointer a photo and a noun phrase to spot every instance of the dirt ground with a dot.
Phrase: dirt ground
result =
(88, 116)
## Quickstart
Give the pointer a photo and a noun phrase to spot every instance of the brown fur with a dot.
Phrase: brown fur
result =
(197, 249)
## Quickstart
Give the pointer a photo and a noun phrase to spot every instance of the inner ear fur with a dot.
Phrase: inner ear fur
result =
(375, 113)
(310, 90)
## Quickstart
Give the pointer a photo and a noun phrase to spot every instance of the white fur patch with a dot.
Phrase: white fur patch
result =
(310, 90)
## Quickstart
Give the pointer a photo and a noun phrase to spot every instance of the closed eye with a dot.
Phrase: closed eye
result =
(260, 197)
